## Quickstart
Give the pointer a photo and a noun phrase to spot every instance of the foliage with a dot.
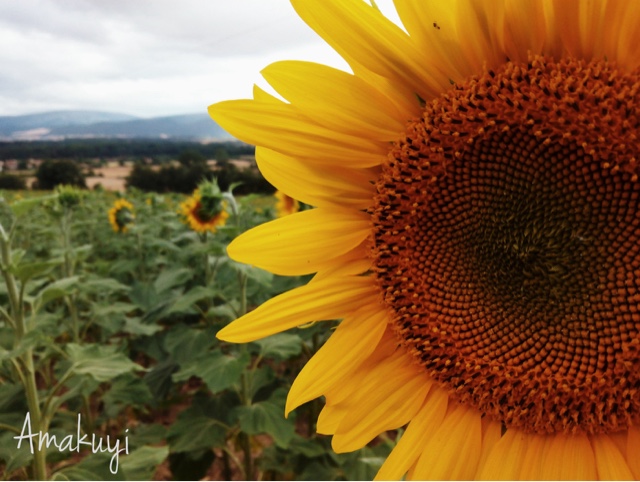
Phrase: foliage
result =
(115, 333)
(12, 182)
(53, 173)
(185, 177)
(80, 149)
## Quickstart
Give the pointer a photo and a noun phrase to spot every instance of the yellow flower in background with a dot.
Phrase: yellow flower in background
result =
(204, 210)
(476, 229)
(286, 205)
(121, 215)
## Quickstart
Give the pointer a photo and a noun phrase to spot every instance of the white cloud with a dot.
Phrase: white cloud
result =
(144, 57)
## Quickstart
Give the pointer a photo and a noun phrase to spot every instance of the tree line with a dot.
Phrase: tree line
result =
(80, 149)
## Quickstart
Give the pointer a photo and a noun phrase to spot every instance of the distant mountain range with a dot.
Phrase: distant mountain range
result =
(60, 125)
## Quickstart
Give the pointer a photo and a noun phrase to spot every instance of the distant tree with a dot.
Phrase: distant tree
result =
(191, 157)
(222, 157)
(52, 173)
(11, 182)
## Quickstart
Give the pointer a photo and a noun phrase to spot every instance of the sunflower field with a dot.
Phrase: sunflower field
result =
(109, 364)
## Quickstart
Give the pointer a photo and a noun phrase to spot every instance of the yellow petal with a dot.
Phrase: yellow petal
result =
(353, 341)
(325, 299)
(345, 389)
(330, 417)
(569, 457)
(491, 434)
(261, 95)
(633, 451)
(336, 99)
(353, 263)
(303, 242)
(453, 451)
(506, 459)
(415, 437)
(610, 463)
(317, 185)
(533, 463)
(358, 31)
(387, 398)
(284, 128)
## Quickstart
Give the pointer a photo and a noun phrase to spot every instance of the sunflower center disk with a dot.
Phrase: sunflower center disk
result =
(507, 244)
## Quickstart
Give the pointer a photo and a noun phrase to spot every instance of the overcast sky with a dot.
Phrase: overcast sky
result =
(145, 57)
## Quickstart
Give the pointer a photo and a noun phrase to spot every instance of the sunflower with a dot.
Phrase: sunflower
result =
(121, 215)
(476, 229)
(285, 204)
(204, 210)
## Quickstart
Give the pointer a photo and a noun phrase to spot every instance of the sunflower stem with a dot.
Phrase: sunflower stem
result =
(28, 372)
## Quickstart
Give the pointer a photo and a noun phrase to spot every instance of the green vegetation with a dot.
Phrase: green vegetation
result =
(80, 149)
(53, 173)
(116, 332)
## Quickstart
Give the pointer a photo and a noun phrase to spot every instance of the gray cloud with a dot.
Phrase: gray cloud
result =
(143, 57)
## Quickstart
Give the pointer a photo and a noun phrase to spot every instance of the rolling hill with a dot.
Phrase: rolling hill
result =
(60, 125)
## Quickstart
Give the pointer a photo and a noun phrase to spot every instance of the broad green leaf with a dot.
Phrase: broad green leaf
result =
(30, 340)
(159, 379)
(134, 326)
(26, 271)
(258, 275)
(57, 289)
(261, 378)
(92, 467)
(171, 278)
(281, 346)
(185, 302)
(11, 456)
(268, 417)
(144, 295)
(195, 432)
(147, 435)
(101, 362)
(142, 463)
(103, 286)
(217, 370)
(127, 390)
(23, 206)
(185, 344)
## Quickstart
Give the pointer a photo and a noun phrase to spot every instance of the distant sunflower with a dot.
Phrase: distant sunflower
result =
(203, 212)
(121, 215)
(286, 204)
(477, 229)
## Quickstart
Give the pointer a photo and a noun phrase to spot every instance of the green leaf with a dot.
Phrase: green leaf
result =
(185, 302)
(281, 346)
(217, 370)
(23, 206)
(57, 289)
(13, 457)
(134, 326)
(127, 390)
(26, 271)
(268, 417)
(171, 278)
(185, 344)
(144, 295)
(258, 275)
(92, 467)
(30, 340)
(100, 362)
(142, 463)
(195, 432)
(104, 286)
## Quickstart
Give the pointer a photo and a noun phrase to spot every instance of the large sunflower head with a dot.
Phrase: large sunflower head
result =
(477, 225)
(204, 211)
(121, 215)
